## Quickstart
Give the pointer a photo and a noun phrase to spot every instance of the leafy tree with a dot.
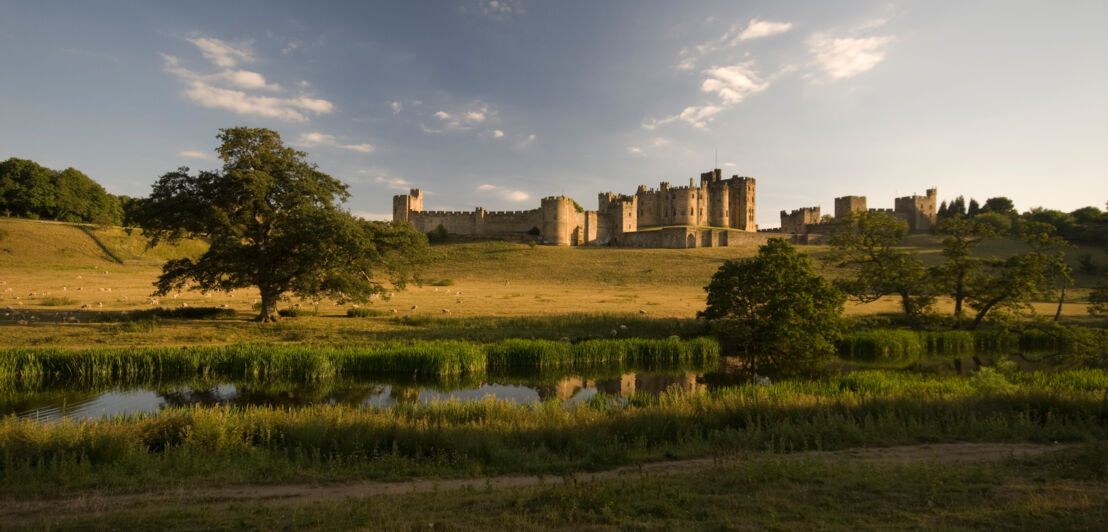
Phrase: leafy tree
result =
(1098, 298)
(1000, 205)
(273, 221)
(866, 245)
(957, 207)
(1010, 284)
(774, 311)
(974, 208)
(26, 188)
(77, 198)
(959, 269)
(1039, 236)
(944, 211)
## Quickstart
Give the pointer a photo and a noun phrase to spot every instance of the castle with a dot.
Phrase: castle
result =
(715, 212)
(807, 226)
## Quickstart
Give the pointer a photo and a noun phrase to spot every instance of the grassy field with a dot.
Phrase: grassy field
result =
(78, 313)
(496, 290)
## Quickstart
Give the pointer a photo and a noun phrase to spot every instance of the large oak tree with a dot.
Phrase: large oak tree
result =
(274, 221)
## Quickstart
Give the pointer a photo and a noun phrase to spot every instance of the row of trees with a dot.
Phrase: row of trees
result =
(867, 247)
(1088, 225)
(30, 190)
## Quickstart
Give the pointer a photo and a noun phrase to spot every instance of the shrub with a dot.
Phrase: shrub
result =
(442, 282)
(57, 301)
(296, 312)
(363, 313)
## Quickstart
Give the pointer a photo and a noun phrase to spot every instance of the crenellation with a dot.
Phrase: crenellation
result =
(714, 213)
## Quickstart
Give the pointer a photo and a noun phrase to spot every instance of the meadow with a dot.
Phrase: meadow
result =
(79, 315)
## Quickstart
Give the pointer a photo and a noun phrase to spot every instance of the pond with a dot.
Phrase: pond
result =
(76, 402)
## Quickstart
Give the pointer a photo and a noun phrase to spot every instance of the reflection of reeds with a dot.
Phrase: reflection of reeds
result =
(39, 366)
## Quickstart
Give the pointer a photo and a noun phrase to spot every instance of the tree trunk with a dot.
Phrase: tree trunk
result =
(269, 308)
(984, 310)
(1061, 299)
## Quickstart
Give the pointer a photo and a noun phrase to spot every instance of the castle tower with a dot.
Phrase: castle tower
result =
(405, 204)
(740, 205)
(846, 205)
(557, 220)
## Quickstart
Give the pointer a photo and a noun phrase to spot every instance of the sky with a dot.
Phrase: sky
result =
(498, 103)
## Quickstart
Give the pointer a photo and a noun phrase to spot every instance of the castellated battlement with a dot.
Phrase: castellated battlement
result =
(716, 202)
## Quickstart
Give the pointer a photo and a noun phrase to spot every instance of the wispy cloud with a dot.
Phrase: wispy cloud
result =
(393, 182)
(635, 150)
(844, 57)
(500, 9)
(396, 107)
(460, 120)
(292, 46)
(228, 88)
(497, 134)
(224, 54)
(506, 193)
(733, 83)
(757, 29)
(193, 154)
(735, 35)
(316, 138)
(697, 116)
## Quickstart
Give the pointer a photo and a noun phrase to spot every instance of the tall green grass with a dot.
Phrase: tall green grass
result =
(490, 436)
(904, 346)
(35, 366)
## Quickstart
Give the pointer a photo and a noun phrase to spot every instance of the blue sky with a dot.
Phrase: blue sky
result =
(498, 103)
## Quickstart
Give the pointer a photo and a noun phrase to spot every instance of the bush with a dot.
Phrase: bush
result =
(363, 313)
(57, 301)
(442, 282)
(296, 312)
(438, 236)
(187, 313)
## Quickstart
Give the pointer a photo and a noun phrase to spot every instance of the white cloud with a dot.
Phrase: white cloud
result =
(248, 80)
(223, 54)
(316, 138)
(292, 46)
(729, 165)
(660, 141)
(393, 182)
(396, 106)
(844, 57)
(460, 120)
(763, 28)
(733, 83)
(696, 116)
(205, 90)
(193, 154)
(635, 150)
(290, 109)
(506, 193)
(497, 134)
(500, 9)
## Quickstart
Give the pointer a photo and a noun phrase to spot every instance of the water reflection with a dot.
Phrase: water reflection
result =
(68, 401)
(145, 398)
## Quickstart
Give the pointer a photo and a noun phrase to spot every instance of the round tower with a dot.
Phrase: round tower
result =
(557, 215)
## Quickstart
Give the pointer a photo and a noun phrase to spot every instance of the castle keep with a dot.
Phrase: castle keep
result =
(715, 212)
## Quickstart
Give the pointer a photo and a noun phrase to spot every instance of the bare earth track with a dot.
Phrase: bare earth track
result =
(28, 512)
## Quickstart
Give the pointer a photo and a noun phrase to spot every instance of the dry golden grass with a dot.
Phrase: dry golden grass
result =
(44, 260)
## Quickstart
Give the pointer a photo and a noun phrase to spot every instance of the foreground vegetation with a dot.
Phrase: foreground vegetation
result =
(1065, 490)
(220, 445)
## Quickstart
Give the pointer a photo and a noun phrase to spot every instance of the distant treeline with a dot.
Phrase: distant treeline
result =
(1087, 225)
(29, 190)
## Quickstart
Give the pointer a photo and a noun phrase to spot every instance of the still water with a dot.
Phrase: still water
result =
(75, 402)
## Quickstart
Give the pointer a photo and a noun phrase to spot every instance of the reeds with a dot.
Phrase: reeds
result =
(36, 366)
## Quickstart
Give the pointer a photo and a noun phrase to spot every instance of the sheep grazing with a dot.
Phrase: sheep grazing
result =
(445, 311)
(22, 322)
(72, 319)
(614, 333)
(641, 311)
(99, 304)
(414, 307)
(225, 305)
(153, 301)
(392, 311)
(623, 327)
(85, 306)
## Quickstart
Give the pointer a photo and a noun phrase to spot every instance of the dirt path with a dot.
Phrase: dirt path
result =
(26, 512)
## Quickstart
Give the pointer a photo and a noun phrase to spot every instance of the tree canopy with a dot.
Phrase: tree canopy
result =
(274, 221)
(30, 190)
(865, 244)
(774, 311)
